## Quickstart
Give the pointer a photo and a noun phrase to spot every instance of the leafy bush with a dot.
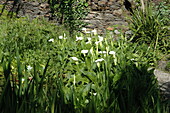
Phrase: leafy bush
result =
(164, 9)
(149, 27)
(70, 13)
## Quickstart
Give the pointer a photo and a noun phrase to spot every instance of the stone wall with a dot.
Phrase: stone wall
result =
(31, 9)
(103, 5)
(104, 13)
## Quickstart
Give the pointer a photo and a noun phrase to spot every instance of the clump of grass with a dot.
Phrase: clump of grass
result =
(148, 27)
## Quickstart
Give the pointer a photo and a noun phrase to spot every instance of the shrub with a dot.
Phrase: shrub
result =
(149, 27)
(70, 13)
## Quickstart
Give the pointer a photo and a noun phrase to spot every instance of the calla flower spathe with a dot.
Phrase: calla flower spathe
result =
(89, 39)
(60, 37)
(97, 42)
(94, 32)
(23, 80)
(99, 60)
(102, 52)
(84, 51)
(29, 68)
(112, 52)
(84, 29)
(51, 40)
(88, 42)
(74, 58)
(100, 38)
(79, 38)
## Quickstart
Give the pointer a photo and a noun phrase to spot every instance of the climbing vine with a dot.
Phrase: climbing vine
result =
(70, 12)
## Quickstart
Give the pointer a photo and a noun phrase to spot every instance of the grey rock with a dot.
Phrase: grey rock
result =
(90, 16)
(44, 5)
(164, 82)
(94, 7)
(118, 12)
(114, 7)
(35, 4)
(96, 22)
(95, 1)
(162, 65)
(102, 3)
(109, 16)
(119, 23)
(162, 76)
(99, 17)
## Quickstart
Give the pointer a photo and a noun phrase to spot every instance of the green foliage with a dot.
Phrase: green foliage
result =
(45, 70)
(164, 9)
(151, 27)
(70, 13)
(29, 35)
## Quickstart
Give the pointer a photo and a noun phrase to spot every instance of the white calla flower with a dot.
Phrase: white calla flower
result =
(84, 29)
(94, 94)
(84, 51)
(51, 40)
(112, 52)
(100, 38)
(99, 60)
(23, 80)
(97, 42)
(94, 32)
(88, 42)
(74, 58)
(104, 52)
(29, 68)
(79, 38)
(89, 39)
(61, 37)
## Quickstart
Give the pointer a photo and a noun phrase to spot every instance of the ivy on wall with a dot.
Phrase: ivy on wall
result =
(70, 12)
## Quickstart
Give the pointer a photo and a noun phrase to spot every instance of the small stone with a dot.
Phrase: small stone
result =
(44, 5)
(102, 3)
(110, 3)
(99, 16)
(94, 7)
(47, 15)
(118, 12)
(164, 81)
(90, 16)
(109, 16)
(111, 0)
(95, 1)
(114, 7)
(35, 4)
